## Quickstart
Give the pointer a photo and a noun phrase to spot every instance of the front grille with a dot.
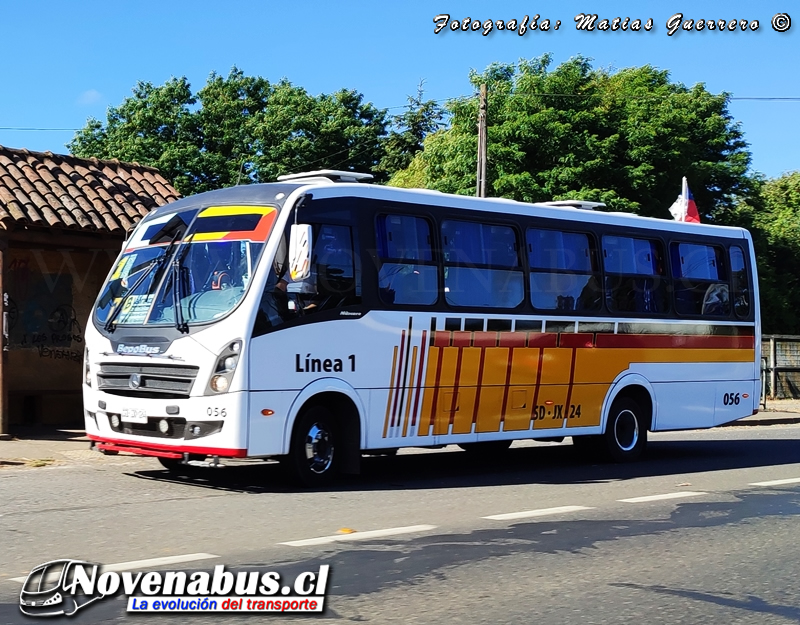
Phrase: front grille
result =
(162, 381)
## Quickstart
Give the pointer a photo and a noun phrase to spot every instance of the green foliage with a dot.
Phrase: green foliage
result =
(420, 119)
(624, 138)
(773, 218)
(236, 130)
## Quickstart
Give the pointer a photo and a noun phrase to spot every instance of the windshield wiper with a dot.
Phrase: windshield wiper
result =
(177, 295)
(156, 262)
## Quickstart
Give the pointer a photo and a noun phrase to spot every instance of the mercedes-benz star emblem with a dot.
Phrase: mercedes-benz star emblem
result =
(135, 381)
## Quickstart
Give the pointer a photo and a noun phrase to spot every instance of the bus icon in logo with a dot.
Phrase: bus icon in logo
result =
(46, 591)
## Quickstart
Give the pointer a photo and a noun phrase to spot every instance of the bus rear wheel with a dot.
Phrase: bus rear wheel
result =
(626, 431)
(313, 458)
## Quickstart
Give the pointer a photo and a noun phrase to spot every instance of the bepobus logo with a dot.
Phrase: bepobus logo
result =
(62, 587)
(138, 349)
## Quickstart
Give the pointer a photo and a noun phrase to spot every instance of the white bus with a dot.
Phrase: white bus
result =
(321, 317)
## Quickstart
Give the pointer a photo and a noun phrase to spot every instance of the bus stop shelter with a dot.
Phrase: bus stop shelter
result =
(62, 223)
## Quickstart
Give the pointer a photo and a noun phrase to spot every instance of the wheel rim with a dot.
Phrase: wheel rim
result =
(319, 448)
(626, 430)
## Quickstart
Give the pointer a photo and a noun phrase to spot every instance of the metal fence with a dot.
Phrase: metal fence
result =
(780, 366)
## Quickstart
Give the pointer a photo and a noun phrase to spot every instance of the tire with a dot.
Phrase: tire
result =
(626, 431)
(315, 451)
(486, 449)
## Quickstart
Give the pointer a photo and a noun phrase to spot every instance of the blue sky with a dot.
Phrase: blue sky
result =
(64, 62)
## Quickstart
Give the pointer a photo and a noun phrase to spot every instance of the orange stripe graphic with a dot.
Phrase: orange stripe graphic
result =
(399, 376)
(408, 403)
(391, 392)
(422, 351)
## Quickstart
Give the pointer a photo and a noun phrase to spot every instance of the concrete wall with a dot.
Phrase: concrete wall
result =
(51, 293)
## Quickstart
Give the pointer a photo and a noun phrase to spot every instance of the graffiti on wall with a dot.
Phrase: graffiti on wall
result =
(42, 316)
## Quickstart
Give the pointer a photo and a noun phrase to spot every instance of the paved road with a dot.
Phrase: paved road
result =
(605, 544)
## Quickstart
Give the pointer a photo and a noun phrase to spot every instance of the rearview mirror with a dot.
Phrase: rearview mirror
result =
(300, 252)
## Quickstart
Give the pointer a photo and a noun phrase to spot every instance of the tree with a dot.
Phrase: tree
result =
(421, 118)
(236, 130)
(623, 138)
(773, 218)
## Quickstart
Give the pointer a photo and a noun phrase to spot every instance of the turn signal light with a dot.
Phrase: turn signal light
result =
(267, 412)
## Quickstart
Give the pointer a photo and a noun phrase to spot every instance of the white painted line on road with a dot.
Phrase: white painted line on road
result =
(534, 513)
(142, 564)
(791, 480)
(342, 538)
(686, 493)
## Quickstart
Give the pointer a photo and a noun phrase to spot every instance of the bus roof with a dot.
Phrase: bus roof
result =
(276, 194)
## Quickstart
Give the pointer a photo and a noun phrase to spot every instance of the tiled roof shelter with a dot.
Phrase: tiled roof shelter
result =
(53, 190)
(63, 221)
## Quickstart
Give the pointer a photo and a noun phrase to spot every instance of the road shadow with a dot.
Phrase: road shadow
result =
(557, 464)
(45, 433)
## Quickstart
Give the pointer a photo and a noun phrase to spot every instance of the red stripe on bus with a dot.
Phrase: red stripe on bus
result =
(543, 339)
(462, 339)
(512, 339)
(441, 338)
(576, 340)
(485, 339)
(663, 341)
(422, 351)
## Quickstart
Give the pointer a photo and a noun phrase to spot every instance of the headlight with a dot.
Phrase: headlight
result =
(226, 366)
(87, 374)
(219, 383)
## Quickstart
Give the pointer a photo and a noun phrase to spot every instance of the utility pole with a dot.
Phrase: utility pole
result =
(481, 187)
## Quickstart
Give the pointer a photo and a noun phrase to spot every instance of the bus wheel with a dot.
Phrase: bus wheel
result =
(486, 449)
(626, 430)
(313, 457)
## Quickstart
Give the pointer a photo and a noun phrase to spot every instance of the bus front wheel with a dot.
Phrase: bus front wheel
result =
(314, 454)
(626, 430)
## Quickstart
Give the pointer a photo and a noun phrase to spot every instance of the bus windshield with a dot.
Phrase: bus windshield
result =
(185, 269)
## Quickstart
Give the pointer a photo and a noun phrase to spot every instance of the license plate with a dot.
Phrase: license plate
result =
(134, 415)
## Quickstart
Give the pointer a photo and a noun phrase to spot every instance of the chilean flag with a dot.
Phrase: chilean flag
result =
(684, 208)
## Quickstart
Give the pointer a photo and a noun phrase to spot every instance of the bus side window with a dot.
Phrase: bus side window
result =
(564, 273)
(740, 283)
(635, 281)
(334, 277)
(700, 280)
(407, 274)
(481, 265)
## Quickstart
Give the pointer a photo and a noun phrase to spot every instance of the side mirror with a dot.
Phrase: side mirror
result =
(300, 252)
